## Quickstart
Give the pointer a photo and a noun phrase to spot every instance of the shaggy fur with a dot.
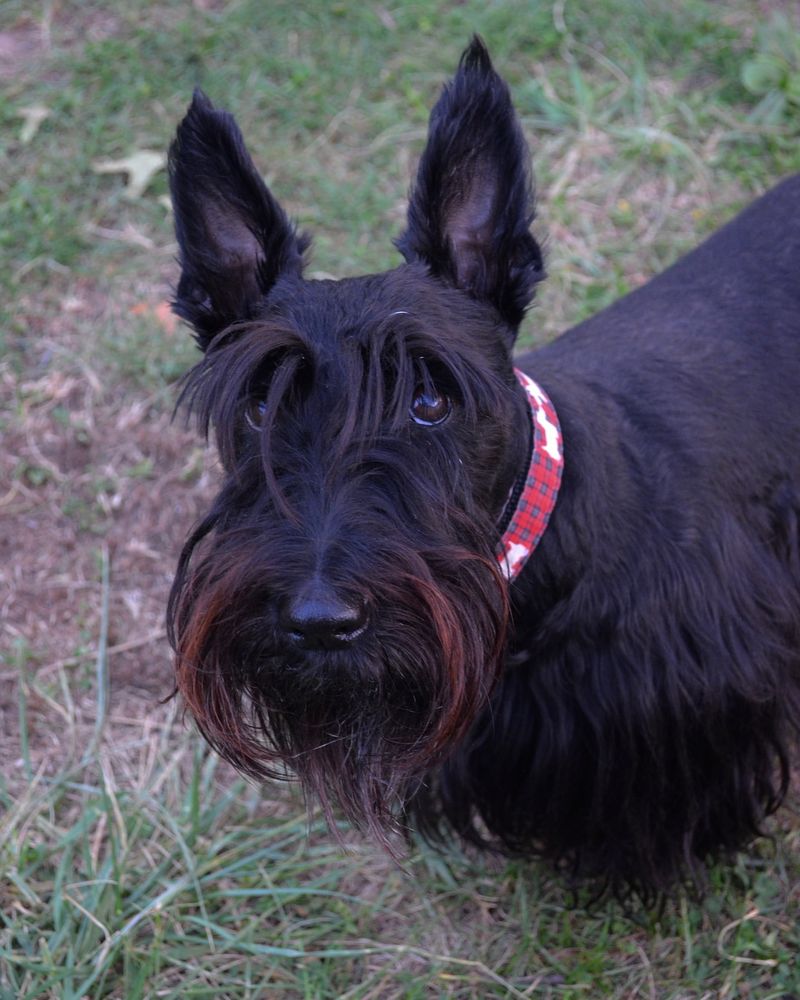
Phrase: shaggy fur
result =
(630, 705)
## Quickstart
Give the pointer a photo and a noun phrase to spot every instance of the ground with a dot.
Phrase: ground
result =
(132, 863)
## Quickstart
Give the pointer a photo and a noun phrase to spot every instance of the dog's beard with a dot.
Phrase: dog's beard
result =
(360, 725)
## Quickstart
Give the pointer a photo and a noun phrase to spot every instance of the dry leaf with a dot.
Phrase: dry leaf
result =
(161, 312)
(32, 118)
(140, 168)
(166, 317)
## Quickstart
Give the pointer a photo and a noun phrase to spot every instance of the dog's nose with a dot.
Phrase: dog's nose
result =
(318, 619)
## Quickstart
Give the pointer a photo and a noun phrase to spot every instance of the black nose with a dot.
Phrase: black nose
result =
(317, 619)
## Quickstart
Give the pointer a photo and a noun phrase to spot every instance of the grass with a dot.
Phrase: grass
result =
(133, 864)
(145, 871)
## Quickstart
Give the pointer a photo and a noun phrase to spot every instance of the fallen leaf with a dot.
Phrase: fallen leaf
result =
(166, 317)
(161, 312)
(32, 117)
(140, 168)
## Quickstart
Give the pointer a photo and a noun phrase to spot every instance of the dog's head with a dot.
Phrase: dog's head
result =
(341, 609)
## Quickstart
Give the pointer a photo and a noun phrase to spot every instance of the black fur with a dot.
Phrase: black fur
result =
(630, 705)
(471, 226)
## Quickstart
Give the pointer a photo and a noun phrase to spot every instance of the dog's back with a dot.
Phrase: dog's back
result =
(654, 691)
(709, 351)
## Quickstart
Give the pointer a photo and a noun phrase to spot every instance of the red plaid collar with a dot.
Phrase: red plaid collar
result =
(540, 489)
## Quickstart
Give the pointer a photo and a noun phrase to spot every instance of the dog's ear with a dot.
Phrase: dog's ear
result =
(235, 240)
(472, 203)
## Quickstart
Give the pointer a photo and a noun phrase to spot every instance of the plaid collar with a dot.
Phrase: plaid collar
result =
(526, 520)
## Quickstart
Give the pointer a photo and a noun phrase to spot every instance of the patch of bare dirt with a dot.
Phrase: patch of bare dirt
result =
(27, 45)
(86, 468)
(787, 7)
(20, 48)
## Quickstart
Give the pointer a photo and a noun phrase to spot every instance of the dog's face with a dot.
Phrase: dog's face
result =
(341, 609)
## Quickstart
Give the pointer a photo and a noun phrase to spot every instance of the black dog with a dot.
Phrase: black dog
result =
(629, 703)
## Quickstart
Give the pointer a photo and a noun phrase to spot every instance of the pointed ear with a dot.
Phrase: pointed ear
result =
(472, 204)
(235, 240)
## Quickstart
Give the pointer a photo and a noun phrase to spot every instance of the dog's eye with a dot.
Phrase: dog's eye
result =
(429, 407)
(254, 413)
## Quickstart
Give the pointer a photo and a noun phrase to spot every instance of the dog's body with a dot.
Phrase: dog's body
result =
(631, 702)
(656, 649)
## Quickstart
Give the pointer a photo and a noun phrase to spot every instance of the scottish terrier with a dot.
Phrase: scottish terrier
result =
(550, 603)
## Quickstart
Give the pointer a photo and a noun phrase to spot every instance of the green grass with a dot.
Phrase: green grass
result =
(132, 864)
(123, 880)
